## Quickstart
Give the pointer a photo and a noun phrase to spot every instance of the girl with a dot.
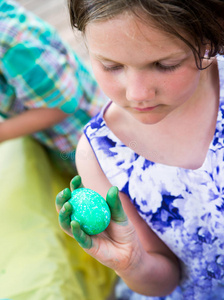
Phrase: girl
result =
(160, 141)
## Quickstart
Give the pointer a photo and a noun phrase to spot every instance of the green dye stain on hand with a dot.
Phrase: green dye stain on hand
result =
(90, 210)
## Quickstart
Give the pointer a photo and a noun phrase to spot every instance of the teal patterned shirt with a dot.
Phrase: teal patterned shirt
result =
(38, 69)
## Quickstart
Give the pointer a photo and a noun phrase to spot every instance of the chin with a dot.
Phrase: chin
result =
(149, 120)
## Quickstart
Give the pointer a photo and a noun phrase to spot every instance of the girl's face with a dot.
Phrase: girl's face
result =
(143, 70)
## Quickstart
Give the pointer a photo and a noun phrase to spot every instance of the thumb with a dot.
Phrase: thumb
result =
(75, 183)
(114, 202)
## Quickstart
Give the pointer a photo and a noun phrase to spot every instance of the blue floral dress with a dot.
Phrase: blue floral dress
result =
(184, 207)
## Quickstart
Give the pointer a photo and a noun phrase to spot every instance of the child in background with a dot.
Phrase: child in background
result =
(47, 92)
(160, 141)
(45, 89)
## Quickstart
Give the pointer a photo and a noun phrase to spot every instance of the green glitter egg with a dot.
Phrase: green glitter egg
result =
(90, 210)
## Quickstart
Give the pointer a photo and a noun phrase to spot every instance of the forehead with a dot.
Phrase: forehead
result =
(129, 32)
(127, 24)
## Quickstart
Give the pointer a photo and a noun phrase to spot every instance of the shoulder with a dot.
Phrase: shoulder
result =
(89, 168)
(85, 158)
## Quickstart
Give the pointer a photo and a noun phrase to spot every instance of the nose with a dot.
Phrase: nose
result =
(140, 87)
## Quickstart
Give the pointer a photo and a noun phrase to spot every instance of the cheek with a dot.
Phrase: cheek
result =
(110, 84)
(183, 84)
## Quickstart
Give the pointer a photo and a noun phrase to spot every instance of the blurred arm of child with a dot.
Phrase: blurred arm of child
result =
(30, 122)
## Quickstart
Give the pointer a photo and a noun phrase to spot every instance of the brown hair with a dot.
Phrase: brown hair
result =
(202, 21)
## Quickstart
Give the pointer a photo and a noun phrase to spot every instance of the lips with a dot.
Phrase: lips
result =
(144, 109)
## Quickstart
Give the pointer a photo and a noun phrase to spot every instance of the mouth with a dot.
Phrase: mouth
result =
(144, 109)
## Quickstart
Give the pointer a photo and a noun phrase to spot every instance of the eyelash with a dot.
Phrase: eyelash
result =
(166, 68)
(111, 69)
(159, 66)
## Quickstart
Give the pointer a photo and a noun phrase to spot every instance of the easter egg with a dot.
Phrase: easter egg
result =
(90, 210)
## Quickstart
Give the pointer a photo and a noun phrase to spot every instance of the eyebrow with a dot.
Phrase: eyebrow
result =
(100, 57)
(171, 56)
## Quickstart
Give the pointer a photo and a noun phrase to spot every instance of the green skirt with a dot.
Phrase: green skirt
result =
(38, 261)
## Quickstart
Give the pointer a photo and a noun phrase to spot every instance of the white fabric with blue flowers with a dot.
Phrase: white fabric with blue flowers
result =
(184, 207)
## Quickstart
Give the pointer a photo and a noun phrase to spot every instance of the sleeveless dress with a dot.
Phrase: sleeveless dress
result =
(184, 207)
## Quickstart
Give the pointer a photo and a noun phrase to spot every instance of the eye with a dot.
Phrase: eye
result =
(166, 68)
(112, 68)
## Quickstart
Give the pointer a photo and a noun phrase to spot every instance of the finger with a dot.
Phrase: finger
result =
(75, 182)
(61, 198)
(81, 237)
(113, 200)
(64, 217)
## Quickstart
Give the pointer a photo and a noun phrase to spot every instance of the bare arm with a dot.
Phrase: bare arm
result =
(29, 122)
(135, 252)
